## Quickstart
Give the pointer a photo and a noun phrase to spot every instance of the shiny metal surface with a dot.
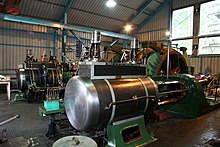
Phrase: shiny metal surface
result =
(135, 43)
(81, 103)
(113, 100)
(27, 76)
(96, 37)
(78, 141)
(86, 100)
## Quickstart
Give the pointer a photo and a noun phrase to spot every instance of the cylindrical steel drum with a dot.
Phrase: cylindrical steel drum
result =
(29, 75)
(87, 101)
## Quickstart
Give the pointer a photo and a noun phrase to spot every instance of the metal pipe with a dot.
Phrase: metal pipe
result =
(175, 91)
(134, 98)
(168, 60)
(33, 21)
(10, 119)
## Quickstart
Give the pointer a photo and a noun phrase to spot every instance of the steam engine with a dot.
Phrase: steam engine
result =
(118, 97)
(34, 77)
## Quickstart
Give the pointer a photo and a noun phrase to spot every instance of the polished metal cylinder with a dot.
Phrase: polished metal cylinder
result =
(134, 49)
(87, 101)
(96, 37)
(135, 43)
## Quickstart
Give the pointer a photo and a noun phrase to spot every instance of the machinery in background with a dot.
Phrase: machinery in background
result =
(182, 95)
(114, 101)
(69, 69)
(113, 104)
(156, 55)
(52, 105)
(109, 101)
(43, 82)
(211, 86)
(34, 78)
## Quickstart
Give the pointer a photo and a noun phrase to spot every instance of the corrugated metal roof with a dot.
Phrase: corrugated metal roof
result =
(40, 9)
(141, 18)
(90, 13)
(91, 20)
(59, 2)
(153, 5)
(100, 9)
(134, 4)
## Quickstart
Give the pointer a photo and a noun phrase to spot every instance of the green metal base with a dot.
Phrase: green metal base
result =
(129, 133)
(52, 127)
(43, 112)
(194, 104)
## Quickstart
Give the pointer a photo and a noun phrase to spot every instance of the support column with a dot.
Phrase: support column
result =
(55, 42)
(196, 20)
(64, 40)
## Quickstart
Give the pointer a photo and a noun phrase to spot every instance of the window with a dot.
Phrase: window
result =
(210, 18)
(182, 26)
(209, 45)
(209, 25)
(182, 23)
(185, 43)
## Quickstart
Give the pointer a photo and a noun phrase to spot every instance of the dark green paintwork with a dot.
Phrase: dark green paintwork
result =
(153, 62)
(115, 138)
(66, 76)
(194, 104)
(42, 111)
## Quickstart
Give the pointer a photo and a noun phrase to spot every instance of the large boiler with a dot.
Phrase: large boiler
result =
(111, 97)
(93, 104)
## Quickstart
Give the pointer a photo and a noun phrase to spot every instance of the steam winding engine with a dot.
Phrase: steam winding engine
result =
(119, 97)
(34, 77)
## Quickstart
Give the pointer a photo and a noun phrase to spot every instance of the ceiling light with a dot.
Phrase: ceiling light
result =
(167, 33)
(111, 3)
(128, 28)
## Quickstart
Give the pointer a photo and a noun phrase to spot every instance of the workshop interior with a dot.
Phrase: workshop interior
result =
(109, 73)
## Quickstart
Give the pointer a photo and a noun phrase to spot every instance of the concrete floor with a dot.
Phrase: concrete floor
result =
(179, 132)
(173, 132)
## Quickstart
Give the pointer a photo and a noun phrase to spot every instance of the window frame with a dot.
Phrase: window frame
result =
(197, 36)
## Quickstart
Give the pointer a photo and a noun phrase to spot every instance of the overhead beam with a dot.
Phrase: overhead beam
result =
(156, 11)
(141, 10)
(21, 19)
(66, 9)
(158, 1)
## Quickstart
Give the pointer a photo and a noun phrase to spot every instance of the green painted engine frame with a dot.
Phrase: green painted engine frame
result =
(194, 104)
(157, 60)
(115, 138)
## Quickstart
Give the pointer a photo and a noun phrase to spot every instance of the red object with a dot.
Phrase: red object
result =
(11, 7)
(162, 115)
(14, 10)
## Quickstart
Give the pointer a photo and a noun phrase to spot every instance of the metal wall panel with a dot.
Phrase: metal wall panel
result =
(16, 38)
(155, 29)
(210, 64)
